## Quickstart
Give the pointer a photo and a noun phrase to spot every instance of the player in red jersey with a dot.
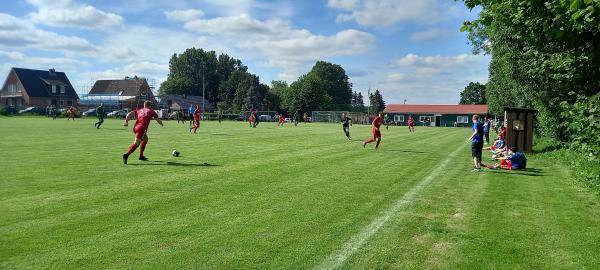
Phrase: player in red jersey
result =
(251, 119)
(196, 119)
(281, 120)
(376, 132)
(71, 113)
(411, 124)
(143, 117)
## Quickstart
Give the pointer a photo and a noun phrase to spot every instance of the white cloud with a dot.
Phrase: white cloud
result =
(278, 43)
(431, 34)
(17, 33)
(184, 15)
(430, 79)
(10, 59)
(384, 13)
(66, 13)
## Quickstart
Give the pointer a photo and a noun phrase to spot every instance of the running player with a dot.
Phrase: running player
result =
(281, 120)
(196, 119)
(376, 124)
(100, 115)
(346, 122)
(71, 113)
(411, 124)
(54, 112)
(251, 119)
(143, 117)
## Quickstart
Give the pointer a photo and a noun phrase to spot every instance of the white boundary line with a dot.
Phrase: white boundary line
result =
(338, 258)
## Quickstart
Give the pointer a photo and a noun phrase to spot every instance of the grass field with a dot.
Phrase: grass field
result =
(280, 198)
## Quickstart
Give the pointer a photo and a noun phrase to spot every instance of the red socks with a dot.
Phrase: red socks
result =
(132, 148)
(143, 147)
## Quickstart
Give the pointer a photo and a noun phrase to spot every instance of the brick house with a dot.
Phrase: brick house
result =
(37, 88)
(439, 115)
(129, 92)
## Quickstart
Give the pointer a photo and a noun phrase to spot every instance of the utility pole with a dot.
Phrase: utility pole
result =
(203, 96)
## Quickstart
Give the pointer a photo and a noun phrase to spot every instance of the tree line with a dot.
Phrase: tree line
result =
(231, 88)
(546, 56)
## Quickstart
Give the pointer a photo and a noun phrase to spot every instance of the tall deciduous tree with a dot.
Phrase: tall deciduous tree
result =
(541, 51)
(195, 68)
(474, 93)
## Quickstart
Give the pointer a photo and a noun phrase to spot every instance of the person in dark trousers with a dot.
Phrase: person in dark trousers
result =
(346, 123)
(191, 111)
(296, 118)
(54, 112)
(386, 119)
(219, 116)
(486, 129)
(476, 142)
(100, 115)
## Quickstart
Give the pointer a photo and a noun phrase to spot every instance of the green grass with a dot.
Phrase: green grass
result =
(279, 198)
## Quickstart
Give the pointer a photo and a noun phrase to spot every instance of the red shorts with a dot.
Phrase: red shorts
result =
(140, 133)
(376, 133)
(506, 164)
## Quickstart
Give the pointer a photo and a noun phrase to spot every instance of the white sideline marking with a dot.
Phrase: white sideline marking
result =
(338, 258)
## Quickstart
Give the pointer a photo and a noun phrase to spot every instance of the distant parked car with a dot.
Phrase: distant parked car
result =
(90, 112)
(265, 118)
(117, 114)
(34, 110)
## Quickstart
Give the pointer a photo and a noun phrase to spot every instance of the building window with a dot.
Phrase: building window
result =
(462, 119)
(9, 102)
(62, 103)
(62, 89)
(69, 103)
(53, 89)
(399, 118)
(422, 118)
(12, 88)
(19, 102)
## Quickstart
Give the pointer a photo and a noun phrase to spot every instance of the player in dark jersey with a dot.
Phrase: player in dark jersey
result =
(346, 123)
(100, 115)
(376, 124)
(143, 118)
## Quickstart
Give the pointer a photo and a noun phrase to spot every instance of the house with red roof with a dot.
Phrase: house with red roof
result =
(434, 115)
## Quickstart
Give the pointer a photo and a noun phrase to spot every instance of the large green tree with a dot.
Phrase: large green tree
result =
(541, 51)
(335, 83)
(195, 68)
(305, 95)
(474, 93)
(377, 102)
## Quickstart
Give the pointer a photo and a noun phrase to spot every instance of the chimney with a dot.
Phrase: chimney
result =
(52, 72)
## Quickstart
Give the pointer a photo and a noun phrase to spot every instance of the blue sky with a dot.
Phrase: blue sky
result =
(408, 49)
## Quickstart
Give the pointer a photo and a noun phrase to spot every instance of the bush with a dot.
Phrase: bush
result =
(582, 125)
(3, 111)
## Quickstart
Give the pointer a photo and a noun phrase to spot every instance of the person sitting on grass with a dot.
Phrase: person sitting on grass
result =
(497, 145)
(513, 161)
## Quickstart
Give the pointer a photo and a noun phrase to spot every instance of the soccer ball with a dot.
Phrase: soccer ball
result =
(175, 153)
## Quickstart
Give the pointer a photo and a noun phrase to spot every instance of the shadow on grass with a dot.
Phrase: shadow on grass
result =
(173, 163)
(221, 134)
(119, 129)
(527, 172)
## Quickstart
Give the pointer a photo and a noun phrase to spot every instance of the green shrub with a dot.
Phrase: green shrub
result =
(3, 111)
(582, 125)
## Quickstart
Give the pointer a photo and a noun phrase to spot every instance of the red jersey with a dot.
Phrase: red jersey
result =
(502, 134)
(251, 118)
(144, 116)
(197, 114)
(377, 122)
(281, 118)
(410, 121)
